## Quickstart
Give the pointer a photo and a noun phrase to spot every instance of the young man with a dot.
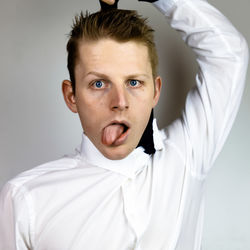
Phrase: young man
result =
(130, 185)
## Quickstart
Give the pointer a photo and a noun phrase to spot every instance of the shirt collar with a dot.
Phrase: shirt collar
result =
(128, 166)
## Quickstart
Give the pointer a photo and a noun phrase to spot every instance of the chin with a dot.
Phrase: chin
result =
(117, 153)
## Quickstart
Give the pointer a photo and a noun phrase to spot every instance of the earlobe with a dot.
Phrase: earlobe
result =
(157, 91)
(69, 96)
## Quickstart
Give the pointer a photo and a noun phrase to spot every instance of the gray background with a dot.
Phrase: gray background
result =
(37, 127)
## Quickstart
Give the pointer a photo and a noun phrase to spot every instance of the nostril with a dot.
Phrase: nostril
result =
(120, 107)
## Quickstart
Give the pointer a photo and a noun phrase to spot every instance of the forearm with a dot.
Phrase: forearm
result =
(204, 29)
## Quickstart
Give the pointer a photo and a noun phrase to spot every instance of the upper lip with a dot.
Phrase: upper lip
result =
(124, 122)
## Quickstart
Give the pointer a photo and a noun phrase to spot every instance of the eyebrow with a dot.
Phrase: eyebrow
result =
(101, 75)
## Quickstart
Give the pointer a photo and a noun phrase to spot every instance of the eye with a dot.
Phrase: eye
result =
(134, 83)
(98, 84)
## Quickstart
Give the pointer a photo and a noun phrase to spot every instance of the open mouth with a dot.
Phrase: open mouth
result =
(115, 133)
(123, 125)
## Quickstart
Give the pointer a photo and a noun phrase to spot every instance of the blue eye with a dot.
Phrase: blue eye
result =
(134, 83)
(98, 84)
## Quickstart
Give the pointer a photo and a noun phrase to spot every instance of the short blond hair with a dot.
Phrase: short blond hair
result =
(120, 25)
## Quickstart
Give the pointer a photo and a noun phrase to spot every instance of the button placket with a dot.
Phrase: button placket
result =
(129, 204)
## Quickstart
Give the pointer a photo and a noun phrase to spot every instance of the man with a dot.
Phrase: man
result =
(117, 192)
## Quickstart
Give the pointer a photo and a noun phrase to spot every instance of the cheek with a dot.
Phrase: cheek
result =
(88, 103)
(144, 99)
(91, 111)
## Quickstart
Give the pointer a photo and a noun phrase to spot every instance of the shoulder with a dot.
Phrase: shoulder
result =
(41, 172)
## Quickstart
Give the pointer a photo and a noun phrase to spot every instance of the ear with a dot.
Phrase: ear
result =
(157, 91)
(69, 96)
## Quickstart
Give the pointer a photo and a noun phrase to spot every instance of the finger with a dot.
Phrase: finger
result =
(106, 6)
(110, 2)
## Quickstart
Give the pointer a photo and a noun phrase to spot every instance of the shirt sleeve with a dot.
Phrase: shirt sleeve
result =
(14, 219)
(211, 106)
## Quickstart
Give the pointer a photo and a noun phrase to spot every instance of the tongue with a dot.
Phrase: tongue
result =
(111, 133)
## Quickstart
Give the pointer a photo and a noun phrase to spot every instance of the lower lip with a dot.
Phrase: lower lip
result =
(122, 138)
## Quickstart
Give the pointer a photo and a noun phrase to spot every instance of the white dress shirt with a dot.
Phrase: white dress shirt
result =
(142, 202)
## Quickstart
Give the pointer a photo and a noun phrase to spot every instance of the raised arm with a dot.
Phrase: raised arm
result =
(222, 55)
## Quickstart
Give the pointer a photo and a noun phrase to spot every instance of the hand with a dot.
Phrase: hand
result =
(110, 2)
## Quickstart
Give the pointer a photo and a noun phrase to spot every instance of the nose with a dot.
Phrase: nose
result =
(119, 98)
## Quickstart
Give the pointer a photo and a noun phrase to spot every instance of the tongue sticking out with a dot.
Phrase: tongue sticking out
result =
(111, 133)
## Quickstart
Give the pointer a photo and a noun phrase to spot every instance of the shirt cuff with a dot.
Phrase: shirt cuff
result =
(150, 1)
(165, 6)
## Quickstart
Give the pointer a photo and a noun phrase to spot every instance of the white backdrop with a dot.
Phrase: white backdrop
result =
(36, 126)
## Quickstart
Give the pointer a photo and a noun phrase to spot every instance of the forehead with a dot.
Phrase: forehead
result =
(113, 57)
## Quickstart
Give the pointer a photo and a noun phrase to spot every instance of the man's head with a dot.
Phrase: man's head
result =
(112, 63)
(120, 25)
